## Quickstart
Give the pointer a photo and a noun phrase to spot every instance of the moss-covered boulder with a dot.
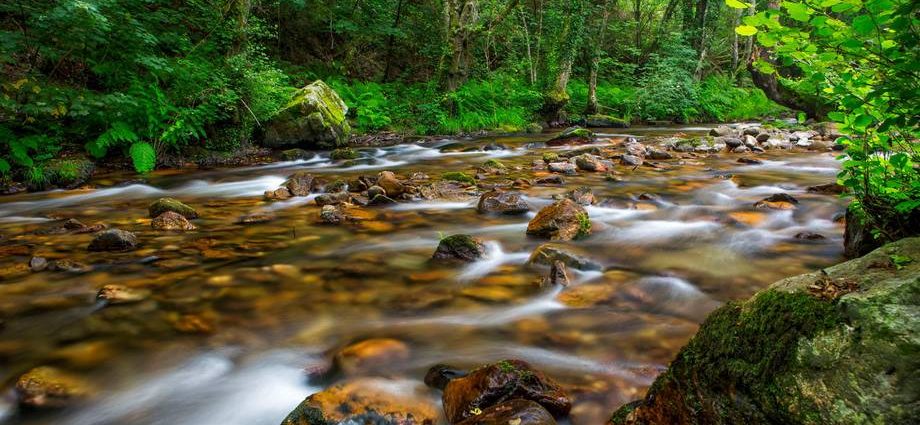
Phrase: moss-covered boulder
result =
(162, 205)
(49, 387)
(459, 248)
(314, 118)
(605, 121)
(572, 136)
(64, 173)
(839, 346)
(563, 220)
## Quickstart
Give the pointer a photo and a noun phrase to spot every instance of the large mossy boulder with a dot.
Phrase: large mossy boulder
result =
(839, 346)
(313, 119)
(605, 121)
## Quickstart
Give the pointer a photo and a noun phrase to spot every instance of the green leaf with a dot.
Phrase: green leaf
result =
(842, 7)
(862, 121)
(863, 25)
(143, 156)
(797, 11)
(4, 166)
(836, 116)
(746, 30)
(735, 4)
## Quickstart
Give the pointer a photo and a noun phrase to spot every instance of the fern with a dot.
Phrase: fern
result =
(143, 156)
(119, 133)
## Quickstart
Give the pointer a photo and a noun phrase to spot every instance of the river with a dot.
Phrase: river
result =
(236, 314)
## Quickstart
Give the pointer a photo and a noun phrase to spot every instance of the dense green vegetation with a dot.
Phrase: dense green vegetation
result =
(861, 58)
(120, 79)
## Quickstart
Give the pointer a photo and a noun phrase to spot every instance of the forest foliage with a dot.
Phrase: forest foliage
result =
(115, 79)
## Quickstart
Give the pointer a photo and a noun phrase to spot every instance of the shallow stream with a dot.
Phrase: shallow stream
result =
(237, 315)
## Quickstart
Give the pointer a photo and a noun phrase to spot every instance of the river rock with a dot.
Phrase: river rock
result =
(37, 264)
(751, 131)
(49, 387)
(513, 412)
(388, 181)
(366, 401)
(658, 154)
(314, 118)
(777, 201)
(605, 121)
(278, 194)
(857, 236)
(549, 253)
(572, 136)
(300, 183)
(118, 294)
(331, 214)
(462, 248)
(551, 180)
(171, 221)
(731, 142)
(336, 198)
(749, 161)
(498, 202)
(721, 131)
(113, 240)
(440, 374)
(295, 154)
(827, 189)
(583, 195)
(69, 266)
(558, 275)
(631, 160)
(561, 167)
(257, 217)
(370, 355)
(836, 346)
(169, 204)
(589, 162)
(762, 137)
(496, 383)
(563, 220)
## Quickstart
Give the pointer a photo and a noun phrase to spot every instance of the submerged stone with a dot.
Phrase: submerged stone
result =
(113, 240)
(497, 202)
(838, 346)
(45, 386)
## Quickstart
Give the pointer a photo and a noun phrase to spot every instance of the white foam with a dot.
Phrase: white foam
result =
(657, 231)
(433, 205)
(494, 258)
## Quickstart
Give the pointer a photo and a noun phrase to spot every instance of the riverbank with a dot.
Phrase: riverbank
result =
(261, 289)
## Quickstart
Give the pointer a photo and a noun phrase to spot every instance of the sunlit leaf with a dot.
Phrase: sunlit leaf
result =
(746, 30)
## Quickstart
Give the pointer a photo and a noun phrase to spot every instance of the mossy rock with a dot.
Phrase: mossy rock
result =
(62, 173)
(459, 177)
(463, 248)
(839, 346)
(534, 128)
(605, 121)
(572, 136)
(343, 153)
(314, 118)
(170, 204)
(550, 157)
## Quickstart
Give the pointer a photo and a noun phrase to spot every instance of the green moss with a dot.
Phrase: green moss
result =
(343, 153)
(741, 350)
(584, 225)
(550, 157)
(493, 163)
(460, 243)
(458, 176)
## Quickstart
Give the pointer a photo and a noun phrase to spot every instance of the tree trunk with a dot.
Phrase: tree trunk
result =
(735, 22)
(390, 40)
(591, 107)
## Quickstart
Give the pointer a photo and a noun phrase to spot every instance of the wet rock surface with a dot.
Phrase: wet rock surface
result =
(499, 202)
(499, 382)
(459, 248)
(809, 349)
(171, 221)
(514, 412)
(563, 220)
(170, 204)
(366, 401)
(113, 240)
(49, 387)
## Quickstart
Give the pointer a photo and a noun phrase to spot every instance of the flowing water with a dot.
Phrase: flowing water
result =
(237, 314)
